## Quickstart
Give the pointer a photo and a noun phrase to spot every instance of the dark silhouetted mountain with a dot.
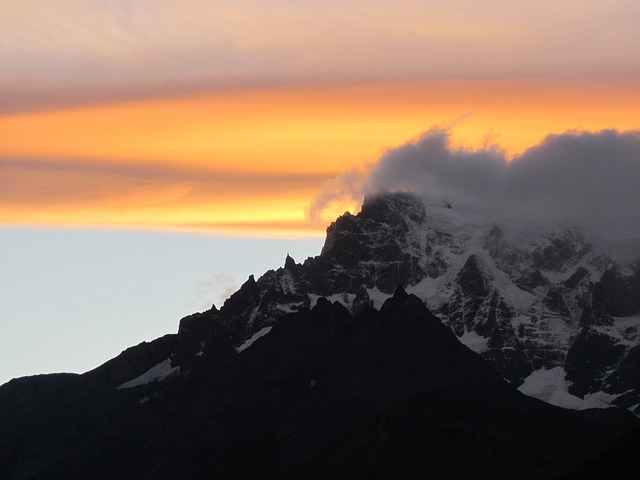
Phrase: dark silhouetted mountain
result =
(384, 394)
(620, 462)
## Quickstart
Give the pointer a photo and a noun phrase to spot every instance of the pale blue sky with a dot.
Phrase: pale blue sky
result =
(72, 299)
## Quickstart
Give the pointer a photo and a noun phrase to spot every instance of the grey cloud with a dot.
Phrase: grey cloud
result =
(592, 179)
(582, 178)
(430, 167)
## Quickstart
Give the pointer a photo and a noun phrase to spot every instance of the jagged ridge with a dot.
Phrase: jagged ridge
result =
(535, 302)
(388, 393)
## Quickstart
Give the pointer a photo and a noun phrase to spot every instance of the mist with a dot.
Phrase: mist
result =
(587, 179)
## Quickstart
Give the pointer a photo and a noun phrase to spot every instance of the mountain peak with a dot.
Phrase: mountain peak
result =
(400, 293)
(393, 207)
(528, 297)
(289, 262)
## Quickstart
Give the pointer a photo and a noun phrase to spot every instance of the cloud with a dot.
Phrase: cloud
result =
(91, 192)
(39, 182)
(338, 192)
(215, 290)
(583, 178)
(431, 167)
(69, 53)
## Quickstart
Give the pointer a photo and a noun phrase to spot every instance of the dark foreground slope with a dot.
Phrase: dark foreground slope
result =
(386, 394)
(620, 462)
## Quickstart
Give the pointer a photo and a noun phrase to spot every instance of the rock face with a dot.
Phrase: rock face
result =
(388, 393)
(528, 298)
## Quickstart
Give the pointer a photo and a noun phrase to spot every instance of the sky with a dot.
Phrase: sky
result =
(161, 151)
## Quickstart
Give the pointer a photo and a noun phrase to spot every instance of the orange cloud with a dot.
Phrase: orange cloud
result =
(93, 193)
(252, 160)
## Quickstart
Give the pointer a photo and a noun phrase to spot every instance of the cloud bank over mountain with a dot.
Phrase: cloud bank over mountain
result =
(583, 178)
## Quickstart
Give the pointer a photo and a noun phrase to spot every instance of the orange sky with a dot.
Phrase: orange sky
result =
(231, 117)
(251, 160)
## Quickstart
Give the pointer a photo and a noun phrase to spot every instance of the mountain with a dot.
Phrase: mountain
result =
(552, 312)
(388, 393)
(401, 351)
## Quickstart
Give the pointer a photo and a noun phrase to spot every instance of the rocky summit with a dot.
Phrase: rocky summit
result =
(404, 350)
(552, 312)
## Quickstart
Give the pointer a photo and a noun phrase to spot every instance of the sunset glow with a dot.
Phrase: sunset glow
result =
(233, 117)
(250, 161)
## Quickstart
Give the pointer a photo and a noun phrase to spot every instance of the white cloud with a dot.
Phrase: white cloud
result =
(215, 290)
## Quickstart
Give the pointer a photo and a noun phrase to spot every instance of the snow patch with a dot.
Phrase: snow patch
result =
(599, 399)
(624, 323)
(518, 298)
(255, 312)
(289, 307)
(157, 373)
(429, 290)
(625, 330)
(551, 386)
(474, 342)
(247, 343)
(377, 297)
(313, 299)
(287, 282)
(344, 298)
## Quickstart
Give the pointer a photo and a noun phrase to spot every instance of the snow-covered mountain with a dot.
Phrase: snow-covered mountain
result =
(554, 313)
